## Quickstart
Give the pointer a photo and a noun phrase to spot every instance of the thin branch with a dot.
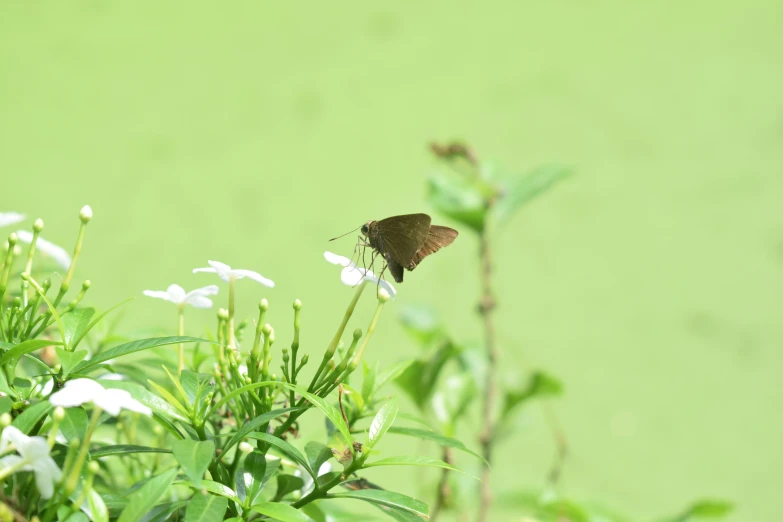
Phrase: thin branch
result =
(444, 489)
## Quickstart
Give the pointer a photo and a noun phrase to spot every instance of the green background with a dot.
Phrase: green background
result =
(250, 132)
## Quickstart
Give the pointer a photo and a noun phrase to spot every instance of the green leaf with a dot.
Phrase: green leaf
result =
(454, 397)
(421, 322)
(162, 512)
(132, 347)
(144, 498)
(12, 356)
(196, 386)
(708, 509)
(250, 426)
(146, 397)
(6, 403)
(382, 422)
(526, 188)
(74, 424)
(70, 359)
(31, 416)
(183, 411)
(287, 484)
(419, 379)
(391, 374)
(124, 449)
(387, 498)
(194, 457)
(253, 476)
(317, 454)
(96, 320)
(540, 385)
(52, 308)
(412, 460)
(434, 437)
(286, 448)
(98, 510)
(458, 198)
(282, 512)
(368, 381)
(75, 325)
(213, 487)
(204, 507)
(331, 412)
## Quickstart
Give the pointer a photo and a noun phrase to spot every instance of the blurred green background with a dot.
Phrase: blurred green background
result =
(250, 132)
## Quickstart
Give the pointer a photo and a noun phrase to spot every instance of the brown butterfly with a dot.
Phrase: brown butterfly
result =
(404, 241)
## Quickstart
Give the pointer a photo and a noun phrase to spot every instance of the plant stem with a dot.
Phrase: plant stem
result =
(486, 307)
(444, 489)
(231, 287)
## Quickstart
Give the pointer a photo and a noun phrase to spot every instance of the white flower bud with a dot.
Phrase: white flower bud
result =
(85, 214)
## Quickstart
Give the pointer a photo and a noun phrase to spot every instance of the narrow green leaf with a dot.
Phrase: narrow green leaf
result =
(709, 509)
(540, 385)
(144, 498)
(382, 422)
(387, 498)
(168, 397)
(331, 412)
(204, 507)
(124, 449)
(75, 323)
(12, 356)
(286, 448)
(178, 386)
(146, 397)
(162, 512)
(287, 484)
(74, 424)
(459, 199)
(253, 475)
(281, 512)
(526, 188)
(251, 425)
(96, 320)
(317, 454)
(68, 360)
(213, 487)
(434, 437)
(98, 510)
(194, 457)
(413, 460)
(132, 347)
(368, 381)
(30, 417)
(52, 308)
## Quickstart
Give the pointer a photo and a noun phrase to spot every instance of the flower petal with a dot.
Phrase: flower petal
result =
(9, 218)
(220, 267)
(10, 461)
(112, 401)
(45, 477)
(176, 294)
(336, 259)
(157, 294)
(76, 393)
(199, 301)
(255, 276)
(352, 275)
(205, 290)
(12, 435)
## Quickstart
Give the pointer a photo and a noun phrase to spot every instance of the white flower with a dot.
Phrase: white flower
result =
(226, 273)
(81, 391)
(352, 275)
(9, 218)
(33, 456)
(47, 248)
(176, 294)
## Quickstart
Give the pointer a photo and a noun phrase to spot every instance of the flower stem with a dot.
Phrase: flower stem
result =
(231, 290)
(181, 332)
(73, 475)
(336, 339)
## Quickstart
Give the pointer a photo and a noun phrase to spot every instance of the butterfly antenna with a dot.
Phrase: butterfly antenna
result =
(338, 237)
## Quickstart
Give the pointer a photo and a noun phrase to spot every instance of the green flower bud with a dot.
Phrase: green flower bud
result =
(305, 358)
(244, 447)
(93, 467)
(383, 295)
(297, 305)
(5, 419)
(12, 239)
(17, 302)
(85, 214)
(38, 225)
(86, 284)
(223, 314)
(263, 305)
(47, 284)
(357, 333)
(59, 414)
(267, 329)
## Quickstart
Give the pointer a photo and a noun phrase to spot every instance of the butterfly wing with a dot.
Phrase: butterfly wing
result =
(395, 268)
(437, 238)
(402, 236)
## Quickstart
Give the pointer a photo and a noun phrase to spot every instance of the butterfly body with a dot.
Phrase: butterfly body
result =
(404, 241)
